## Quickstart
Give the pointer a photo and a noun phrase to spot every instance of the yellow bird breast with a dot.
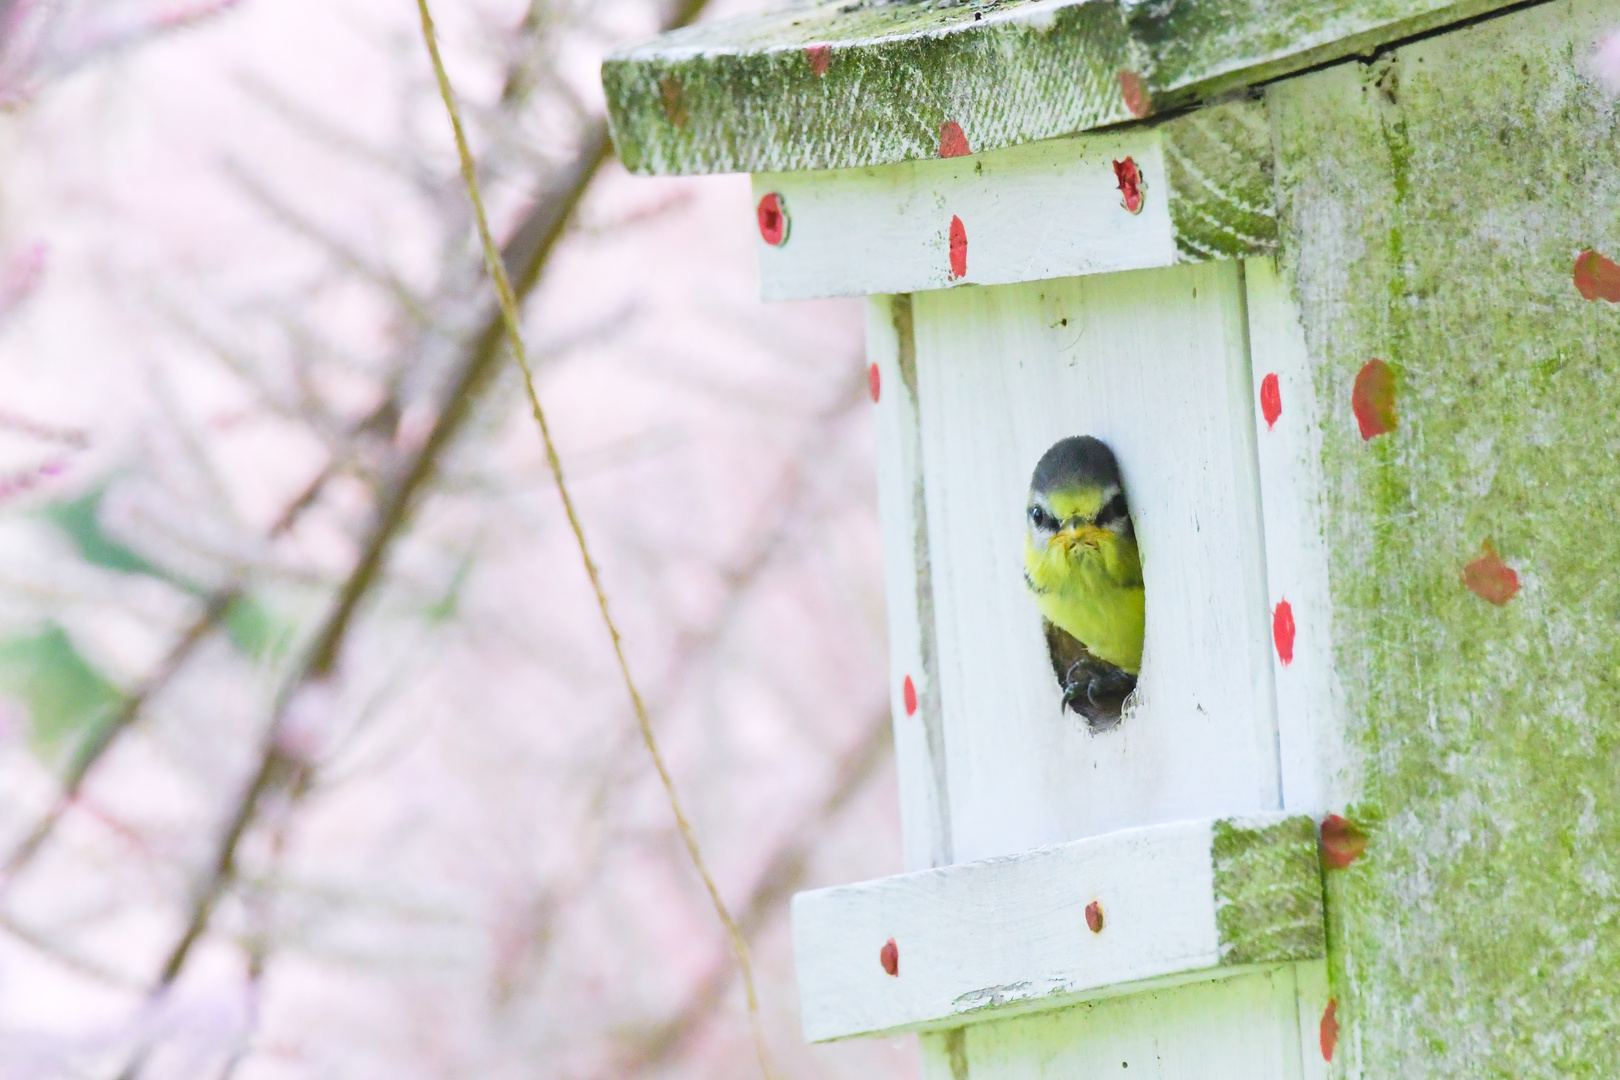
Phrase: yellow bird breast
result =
(1088, 582)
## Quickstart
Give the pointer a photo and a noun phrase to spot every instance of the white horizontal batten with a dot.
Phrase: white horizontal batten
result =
(1041, 210)
(1014, 934)
(1050, 209)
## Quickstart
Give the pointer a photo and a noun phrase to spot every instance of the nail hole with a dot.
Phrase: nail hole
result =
(773, 220)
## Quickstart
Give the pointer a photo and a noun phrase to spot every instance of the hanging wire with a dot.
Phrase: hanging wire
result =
(509, 316)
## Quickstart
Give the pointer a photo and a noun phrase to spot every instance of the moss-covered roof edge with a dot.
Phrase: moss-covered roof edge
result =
(867, 82)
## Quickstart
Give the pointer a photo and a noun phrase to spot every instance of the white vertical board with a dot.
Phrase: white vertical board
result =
(1289, 438)
(1242, 1028)
(1314, 997)
(1155, 364)
(919, 757)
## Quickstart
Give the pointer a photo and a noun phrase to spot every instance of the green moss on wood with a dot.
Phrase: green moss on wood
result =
(891, 81)
(1268, 891)
(743, 95)
(1219, 162)
(1434, 204)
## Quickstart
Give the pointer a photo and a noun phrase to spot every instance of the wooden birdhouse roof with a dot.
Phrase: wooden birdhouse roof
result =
(869, 82)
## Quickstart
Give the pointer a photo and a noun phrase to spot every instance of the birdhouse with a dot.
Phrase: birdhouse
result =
(1333, 282)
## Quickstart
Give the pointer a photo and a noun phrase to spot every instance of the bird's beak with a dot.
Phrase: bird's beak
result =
(1090, 536)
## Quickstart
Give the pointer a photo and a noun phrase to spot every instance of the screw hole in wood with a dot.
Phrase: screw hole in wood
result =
(773, 220)
(1342, 842)
(889, 957)
(1282, 631)
(1270, 400)
(1132, 188)
(952, 140)
(958, 245)
(1372, 399)
(1328, 1034)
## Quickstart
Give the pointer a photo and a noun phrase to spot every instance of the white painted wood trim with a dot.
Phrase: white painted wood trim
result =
(918, 746)
(1012, 934)
(1238, 1028)
(1040, 210)
(1314, 995)
(1154, 364)
(1032, 212)
(1289, 450)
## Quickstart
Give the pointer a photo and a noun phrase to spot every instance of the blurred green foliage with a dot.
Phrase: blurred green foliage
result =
(67, 698)
(80, 519)
(255, 630)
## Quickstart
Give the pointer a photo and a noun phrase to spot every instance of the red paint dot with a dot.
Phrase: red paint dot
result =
(958, 248)
(1342, 842)
(1135, 93)
(1094, 916)
(1373, 399)
(1597, 278)
(908, 694)
(673, 96)
(889, 957)
(1270, 400)
(952, 140)
(1282, 631)
(1131, 187)
(1489, 578)
(1328, 1036)
(819, 56)
(773, 220)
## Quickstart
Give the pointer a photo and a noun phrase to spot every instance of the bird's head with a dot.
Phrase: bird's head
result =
(1076, 498)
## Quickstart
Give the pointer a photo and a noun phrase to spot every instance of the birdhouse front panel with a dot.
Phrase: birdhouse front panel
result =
(1153, 363)
(1244, 392)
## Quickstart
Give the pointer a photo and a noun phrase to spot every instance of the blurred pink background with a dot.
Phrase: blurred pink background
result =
(236, 280)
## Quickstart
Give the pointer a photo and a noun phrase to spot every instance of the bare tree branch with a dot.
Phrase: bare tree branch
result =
(215, 608)
(300, 224)
(325, 133)
(783, 875)
(524, 254)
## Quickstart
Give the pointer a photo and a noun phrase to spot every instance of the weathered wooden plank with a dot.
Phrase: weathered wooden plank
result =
(1289, 442)
(1042, 210)
(1240, 1028)
(1047, 209)
(839, 85)
(913, 685)
(1436, 202)
(1013, 934)
(1316, 1013)
(1154, 363)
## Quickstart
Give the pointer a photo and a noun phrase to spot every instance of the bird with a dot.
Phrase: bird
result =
(1082, 565)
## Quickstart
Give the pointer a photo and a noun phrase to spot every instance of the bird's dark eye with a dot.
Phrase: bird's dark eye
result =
(1039, 518)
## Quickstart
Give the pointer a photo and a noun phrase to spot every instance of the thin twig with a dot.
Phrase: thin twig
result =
(526, 252)
(525, 255)
(323, 132)
(509, 312)
(74, 962)
(783, 875)
(300, 224)
(522, 260)
(217, 605)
